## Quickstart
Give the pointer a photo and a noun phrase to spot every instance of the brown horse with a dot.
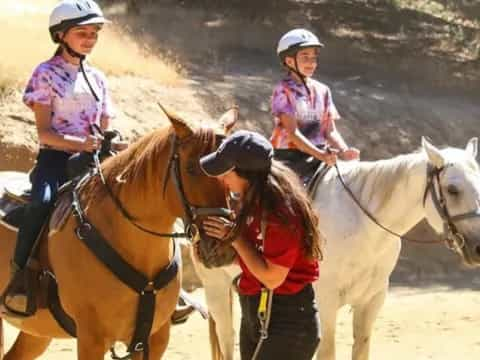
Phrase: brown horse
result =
(103, 308)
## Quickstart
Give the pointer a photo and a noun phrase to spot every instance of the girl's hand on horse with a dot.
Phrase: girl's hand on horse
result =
(217, 227)
(330, 157)
(92, 143)
(349, 154)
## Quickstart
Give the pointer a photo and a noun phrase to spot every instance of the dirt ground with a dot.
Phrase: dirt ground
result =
(431, 323)
(432, 311)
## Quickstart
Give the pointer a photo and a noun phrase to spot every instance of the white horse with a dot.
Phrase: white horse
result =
(442, 186)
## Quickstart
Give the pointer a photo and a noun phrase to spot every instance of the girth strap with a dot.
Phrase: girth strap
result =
(134, 279)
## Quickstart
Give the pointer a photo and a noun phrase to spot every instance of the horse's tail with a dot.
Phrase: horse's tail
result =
(215, 349)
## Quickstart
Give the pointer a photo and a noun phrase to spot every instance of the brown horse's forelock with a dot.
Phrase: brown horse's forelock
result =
(148, 157)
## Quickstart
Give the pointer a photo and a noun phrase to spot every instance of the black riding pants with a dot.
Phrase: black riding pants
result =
(293, 333)
(50, 174)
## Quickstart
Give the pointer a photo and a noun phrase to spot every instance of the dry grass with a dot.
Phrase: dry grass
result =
(439, 10)
(26, 42)
(117, 53)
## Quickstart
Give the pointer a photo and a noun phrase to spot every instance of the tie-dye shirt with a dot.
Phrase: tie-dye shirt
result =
(62, 85)
(313, 113)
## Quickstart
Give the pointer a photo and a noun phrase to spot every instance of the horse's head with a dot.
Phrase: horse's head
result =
(452, 198)
(194, 195)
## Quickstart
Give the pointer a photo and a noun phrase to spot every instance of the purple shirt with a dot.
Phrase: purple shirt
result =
(312, 113)
(61, 85)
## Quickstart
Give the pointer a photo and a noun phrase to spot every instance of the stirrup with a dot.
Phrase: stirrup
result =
(11, 312)
(16, 288)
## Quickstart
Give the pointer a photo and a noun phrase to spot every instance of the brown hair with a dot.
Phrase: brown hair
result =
(281, 187)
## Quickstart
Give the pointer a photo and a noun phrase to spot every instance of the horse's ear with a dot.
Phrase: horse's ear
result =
(434, 155)
(472, 147)
(182, 129)
(229, 119)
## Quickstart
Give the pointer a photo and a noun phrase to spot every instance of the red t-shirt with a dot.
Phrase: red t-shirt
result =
(283, 246)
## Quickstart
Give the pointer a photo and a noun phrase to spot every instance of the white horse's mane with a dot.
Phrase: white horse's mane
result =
(376, 180)
(380, 178)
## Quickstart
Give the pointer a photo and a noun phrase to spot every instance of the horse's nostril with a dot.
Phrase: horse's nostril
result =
(477, 250)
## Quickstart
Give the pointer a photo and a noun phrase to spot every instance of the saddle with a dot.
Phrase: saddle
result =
(16, 195)
(39, 281)
(17, 190)
(309, 169)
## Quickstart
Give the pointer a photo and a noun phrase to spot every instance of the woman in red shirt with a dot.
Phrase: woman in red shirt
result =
(276, 236)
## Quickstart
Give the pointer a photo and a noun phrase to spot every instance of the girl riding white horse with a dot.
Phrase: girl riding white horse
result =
(442, 186)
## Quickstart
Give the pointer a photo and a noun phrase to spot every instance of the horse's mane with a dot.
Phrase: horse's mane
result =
(144, 162)
(374, 180)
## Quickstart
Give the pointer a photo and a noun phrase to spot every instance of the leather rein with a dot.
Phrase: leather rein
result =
(453, 238)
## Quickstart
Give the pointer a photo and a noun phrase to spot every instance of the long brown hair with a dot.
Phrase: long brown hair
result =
(281, 187)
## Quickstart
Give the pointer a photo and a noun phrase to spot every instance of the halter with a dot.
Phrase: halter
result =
(454, 239)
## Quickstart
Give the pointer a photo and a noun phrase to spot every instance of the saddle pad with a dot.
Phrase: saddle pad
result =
(17, 185)
(63, 209)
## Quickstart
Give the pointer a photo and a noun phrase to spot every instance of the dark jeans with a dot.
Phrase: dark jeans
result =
(301, 163)
(293, 333)
(50, 175)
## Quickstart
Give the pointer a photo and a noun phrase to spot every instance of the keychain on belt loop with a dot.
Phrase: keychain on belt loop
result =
(264, 310)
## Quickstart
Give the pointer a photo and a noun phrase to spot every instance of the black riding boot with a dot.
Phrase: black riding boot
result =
(15, 297)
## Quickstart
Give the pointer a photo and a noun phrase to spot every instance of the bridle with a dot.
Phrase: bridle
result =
(453, 238)
(191, 212)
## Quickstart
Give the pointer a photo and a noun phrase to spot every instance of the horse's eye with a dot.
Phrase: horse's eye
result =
(453, 190)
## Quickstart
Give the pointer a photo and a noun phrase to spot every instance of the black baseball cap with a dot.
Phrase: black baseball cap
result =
(244, 150)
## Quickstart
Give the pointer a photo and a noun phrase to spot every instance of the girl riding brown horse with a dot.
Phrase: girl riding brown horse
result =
(155, 180)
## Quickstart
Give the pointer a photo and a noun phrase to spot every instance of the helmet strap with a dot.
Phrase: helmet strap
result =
(70, 51)
(97, 99)
(82, 57)
(299, 74)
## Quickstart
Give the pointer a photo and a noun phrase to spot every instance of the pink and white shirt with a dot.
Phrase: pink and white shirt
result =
(62, 85)
(313, 113)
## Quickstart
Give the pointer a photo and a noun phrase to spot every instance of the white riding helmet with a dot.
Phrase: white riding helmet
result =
(296, 39)
(70, 13)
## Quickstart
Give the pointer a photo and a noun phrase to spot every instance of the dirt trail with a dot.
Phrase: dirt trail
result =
(385, 114)
(436, 323)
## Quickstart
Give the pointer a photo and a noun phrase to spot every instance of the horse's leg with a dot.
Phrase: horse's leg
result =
(27, 347)
(90, 342)
(218, 293)
(215, 351)
(328, 306)
(219, 299)
(363, 319)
